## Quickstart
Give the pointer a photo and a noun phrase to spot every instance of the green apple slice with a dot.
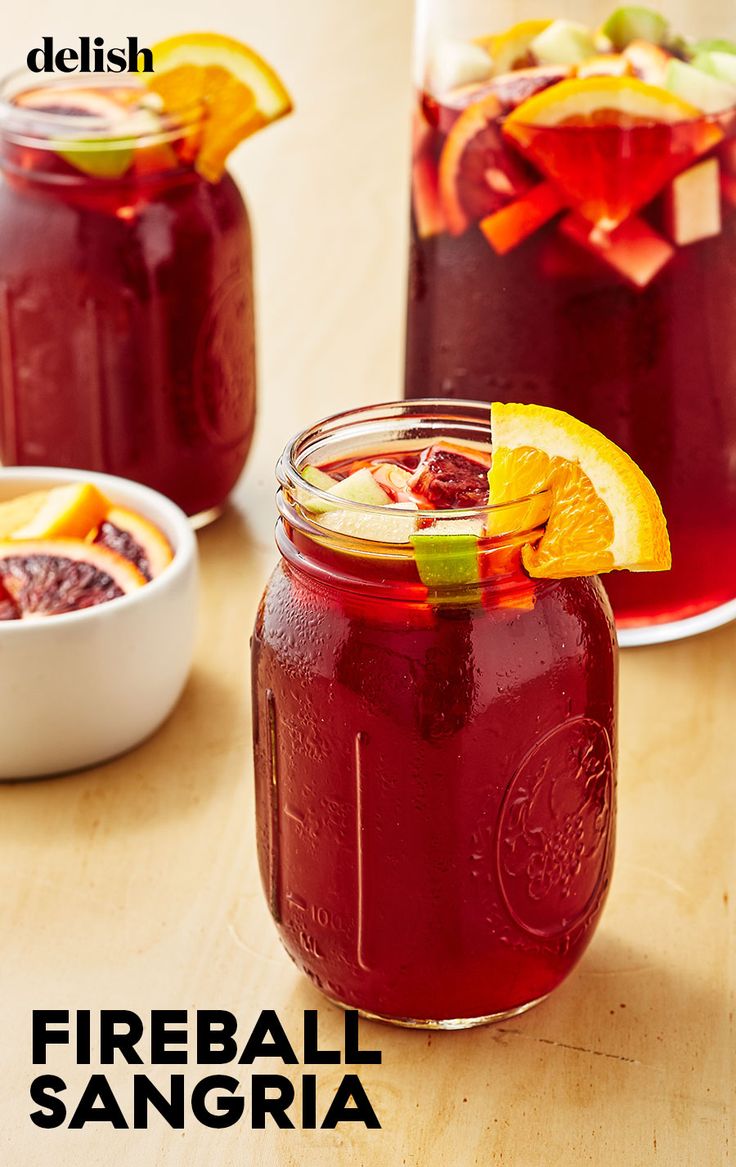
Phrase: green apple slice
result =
(714, 45)
(357, 487)
(563, 42)
(457, 63)
(635, 24)
(99, 159)
(395, 524)
(319, 478)
(692, 85)
(715, 64)
(446, 560)
(693, 204)
(361, 486)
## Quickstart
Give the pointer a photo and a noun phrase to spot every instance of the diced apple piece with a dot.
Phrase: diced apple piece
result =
(361, 486)
(606, 65)
(510, 226)
(315, 477)
(396, 524)
(425, 193)
(632, 24)
(357, 487)
(694, 204)
(720, 65)
(714, 45)
(319, 478)
(455, 63)
(634, 250)
(456, 527)
(699, 89)
(563, 42)
(649, 62)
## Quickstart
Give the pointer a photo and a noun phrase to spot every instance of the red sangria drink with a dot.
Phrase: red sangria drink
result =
(573, 245)
(126, 291)
(434, 727)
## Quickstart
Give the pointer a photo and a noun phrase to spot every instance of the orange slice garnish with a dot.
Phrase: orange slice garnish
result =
(62, 512)
(604, 513)
(239, 91)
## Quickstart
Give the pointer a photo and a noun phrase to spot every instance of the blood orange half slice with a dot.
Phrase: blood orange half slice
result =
(136, 539)
(478, 173)
(52, 577)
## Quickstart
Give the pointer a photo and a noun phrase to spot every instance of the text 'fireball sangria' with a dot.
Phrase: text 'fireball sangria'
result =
(434, 695)
(574, 245)
(126, 287)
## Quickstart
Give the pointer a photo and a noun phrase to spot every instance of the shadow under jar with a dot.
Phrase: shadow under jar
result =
(126, 294)
(435, 765)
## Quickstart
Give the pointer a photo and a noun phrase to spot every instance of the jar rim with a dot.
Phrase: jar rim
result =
(40, 128)
(521, 514)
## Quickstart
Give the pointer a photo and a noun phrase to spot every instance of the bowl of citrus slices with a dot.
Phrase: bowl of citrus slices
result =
(98, 600)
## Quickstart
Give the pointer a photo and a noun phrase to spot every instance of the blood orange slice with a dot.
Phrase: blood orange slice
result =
(136, 539)
(8, 608)
(478, 173)
(52, 577)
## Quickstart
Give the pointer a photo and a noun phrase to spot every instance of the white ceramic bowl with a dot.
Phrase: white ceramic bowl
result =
(79, 688)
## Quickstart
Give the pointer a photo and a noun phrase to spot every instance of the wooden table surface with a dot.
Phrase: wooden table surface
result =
(135, 885)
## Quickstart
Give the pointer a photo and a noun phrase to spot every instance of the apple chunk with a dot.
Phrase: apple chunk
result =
(634, 250)
(693, 206)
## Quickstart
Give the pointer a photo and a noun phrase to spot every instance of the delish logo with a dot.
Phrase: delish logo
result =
(90, 57)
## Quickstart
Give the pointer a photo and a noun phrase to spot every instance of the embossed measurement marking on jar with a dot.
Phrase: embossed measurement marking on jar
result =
(274, 845)
(359, 854)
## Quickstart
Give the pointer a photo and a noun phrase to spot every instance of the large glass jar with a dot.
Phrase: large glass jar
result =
(589, 263)
(435, 765)
(126, 296)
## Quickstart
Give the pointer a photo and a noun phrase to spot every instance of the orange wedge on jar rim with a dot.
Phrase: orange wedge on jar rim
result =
(240, 93)
(604, 513)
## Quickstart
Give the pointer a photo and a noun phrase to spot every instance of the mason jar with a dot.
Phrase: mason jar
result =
(126, 294)
(434, 760)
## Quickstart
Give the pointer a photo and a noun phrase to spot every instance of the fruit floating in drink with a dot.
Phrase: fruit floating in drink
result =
(126, 294)
(434, 693)
(69, 548)
(574, 245)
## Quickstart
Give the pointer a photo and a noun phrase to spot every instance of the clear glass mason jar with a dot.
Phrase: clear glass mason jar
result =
(435, 765)
(589, 265)
(126, 294)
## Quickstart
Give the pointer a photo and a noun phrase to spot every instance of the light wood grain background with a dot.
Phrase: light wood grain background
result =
(135, 885)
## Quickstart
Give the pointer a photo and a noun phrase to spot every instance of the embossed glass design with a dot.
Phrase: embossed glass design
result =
(126, 299)
(591, 268)
(435, 766)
